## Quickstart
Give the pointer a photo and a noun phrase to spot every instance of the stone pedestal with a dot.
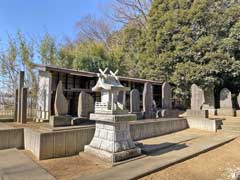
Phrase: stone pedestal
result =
(57, 121)
(112, 141)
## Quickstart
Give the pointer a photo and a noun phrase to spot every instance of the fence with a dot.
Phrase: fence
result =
(7, 109)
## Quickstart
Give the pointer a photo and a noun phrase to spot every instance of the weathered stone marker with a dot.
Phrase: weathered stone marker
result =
(166, 96)
(61, 109)
(226, 99)
(61, 103)
(112, 140)
(85, 104)
(226, 105)
(134, 101)
(148, 100)
(197, 97)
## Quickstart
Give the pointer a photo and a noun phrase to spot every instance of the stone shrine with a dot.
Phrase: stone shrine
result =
(112, 140)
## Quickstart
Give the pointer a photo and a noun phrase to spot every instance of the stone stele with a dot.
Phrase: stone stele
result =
(61, 103)
(166, 96)
(148, 100)
(197, 97)
(134, 101)
(85, 104)
(225, 99)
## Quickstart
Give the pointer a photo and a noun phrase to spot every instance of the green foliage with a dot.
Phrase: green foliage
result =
(88, 56)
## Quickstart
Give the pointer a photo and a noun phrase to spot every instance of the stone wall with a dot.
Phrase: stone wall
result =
(11, 138)
(70, 142)
(146, 128)
(57, 144)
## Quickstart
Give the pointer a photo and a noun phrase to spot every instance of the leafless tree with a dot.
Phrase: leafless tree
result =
(125, 11)
(91, 28)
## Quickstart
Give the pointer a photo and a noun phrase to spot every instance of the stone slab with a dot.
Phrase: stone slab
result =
(151, 145)
(112, 118)
(14, 165)
(226, 112)
(197, 113)
(161, 159)
(113, 157)
(204, 123)
(169, 113)
(56, 121)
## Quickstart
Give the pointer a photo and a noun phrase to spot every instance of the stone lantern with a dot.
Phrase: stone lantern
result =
(112, 140)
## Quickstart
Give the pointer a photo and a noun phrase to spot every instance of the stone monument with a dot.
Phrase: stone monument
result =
(167, 111)
(112, 140)
(197, 97)
(85, 104)
(209, 98)
(61, 109)
(197, 100)
(166, 96)
(226, 105)
(148, 101)
(135, 103)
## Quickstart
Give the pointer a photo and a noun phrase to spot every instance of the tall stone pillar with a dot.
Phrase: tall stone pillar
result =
(16, 105)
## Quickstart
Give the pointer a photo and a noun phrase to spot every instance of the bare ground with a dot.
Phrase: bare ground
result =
(72, 167)
(212, 165)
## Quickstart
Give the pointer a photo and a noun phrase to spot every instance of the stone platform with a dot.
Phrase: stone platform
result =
(162, 158)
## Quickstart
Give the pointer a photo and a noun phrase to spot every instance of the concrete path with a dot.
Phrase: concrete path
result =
(162, 158)
(14, 165)
(153, 144)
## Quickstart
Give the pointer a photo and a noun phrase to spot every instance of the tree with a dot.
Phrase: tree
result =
(130, 11)
(48, 50)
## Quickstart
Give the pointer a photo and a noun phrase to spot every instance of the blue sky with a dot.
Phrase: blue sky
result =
(35, 17)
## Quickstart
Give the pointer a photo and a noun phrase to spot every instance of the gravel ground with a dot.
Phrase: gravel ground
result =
(222, 163)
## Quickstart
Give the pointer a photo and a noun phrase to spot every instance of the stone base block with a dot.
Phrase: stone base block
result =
(226, 112)
(204, 123)
(238, 113)
(113, 157)
(168, 113)
(112, 118)
(149, 115)
(57, 121)
(197, 113)
(138, 114)
(81, 121)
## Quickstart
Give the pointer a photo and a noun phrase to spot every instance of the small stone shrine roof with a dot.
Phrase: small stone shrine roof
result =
(108, 82)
